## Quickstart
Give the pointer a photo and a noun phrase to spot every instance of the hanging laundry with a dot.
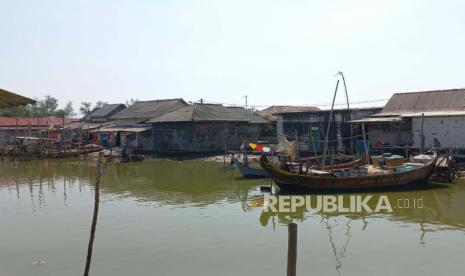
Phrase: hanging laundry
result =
(258, 147)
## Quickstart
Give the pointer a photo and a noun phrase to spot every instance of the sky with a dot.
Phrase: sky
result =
(275, 52)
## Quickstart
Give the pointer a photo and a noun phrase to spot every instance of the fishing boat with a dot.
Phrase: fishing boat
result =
(248, 171)
(370, 178)
(286, 151)
(356, 162)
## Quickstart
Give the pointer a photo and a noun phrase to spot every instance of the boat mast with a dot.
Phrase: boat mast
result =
(329, 124)
(348, 111)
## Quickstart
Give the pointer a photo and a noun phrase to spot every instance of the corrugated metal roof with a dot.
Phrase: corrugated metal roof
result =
(8, 99)
(269, 113)
(414, 102)
(277, 109)
(103, 111)
(24, 121)
(209, 112)
(150, 109)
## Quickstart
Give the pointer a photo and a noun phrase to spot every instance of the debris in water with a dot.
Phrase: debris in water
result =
(39, 262)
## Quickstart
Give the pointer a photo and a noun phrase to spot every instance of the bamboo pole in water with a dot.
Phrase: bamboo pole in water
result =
(292, 249)
(94, 218)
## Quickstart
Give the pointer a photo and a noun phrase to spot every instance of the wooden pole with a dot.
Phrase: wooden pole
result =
(422, 135)
(30, 118)
(80, 137)
(94, 217)
(16, 130)
(349, 112)
(329, 125)
(365, 146)
(296, 143)
(292, 249)
(313, 143)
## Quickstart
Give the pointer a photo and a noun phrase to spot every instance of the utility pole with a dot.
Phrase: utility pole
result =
(246, 105)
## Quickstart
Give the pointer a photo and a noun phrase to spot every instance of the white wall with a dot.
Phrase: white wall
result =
(449, 130)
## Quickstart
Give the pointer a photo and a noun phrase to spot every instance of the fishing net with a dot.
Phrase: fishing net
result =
(287, 147)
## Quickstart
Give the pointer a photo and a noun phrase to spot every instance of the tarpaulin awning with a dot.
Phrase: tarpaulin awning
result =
(8, 99)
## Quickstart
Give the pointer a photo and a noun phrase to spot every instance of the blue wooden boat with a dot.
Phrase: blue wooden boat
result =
(249, 172)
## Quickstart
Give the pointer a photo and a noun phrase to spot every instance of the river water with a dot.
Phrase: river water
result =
(199, 218)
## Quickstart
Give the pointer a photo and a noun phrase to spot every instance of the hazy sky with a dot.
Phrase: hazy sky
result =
(276, 52)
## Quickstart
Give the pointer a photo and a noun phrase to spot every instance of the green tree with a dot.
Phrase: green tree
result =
(100, 104)
(43, 108)
(85, 108)
(15, 111)
(47, 106)
(67, 111)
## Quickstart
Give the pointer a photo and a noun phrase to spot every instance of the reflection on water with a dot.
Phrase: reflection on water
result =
(195, 218)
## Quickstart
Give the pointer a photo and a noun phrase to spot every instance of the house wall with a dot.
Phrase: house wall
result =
(142, 141)
(202, 136)
(449, 130)
(5, 135)
(145, 140)
(393, 134)
(314, 124)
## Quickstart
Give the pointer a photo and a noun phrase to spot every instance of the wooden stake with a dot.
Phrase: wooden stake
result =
(422, 135)
(296, 143)
(94, 218)
(292, 249)
(365, 146)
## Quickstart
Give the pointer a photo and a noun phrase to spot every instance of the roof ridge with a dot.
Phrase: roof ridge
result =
(430, 91)
(160, 100)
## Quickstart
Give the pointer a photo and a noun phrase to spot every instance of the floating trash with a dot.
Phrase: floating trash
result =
(39, 262)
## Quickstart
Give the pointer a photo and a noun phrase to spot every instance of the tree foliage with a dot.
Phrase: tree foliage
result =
(48, 106)
(100, 104)
(67, 111)
(85, 108)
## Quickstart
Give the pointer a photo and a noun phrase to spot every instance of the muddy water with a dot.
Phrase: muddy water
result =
(197, 218)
